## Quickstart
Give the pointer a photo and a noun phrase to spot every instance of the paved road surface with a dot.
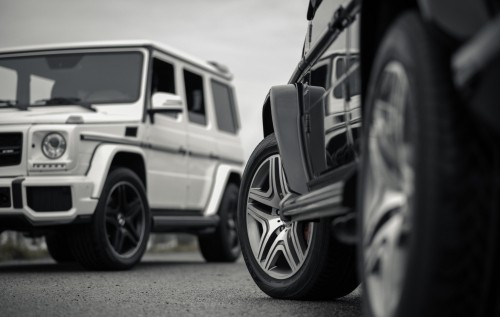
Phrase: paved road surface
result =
(162, 285)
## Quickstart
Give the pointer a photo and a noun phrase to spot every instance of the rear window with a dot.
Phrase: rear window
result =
(225, 108)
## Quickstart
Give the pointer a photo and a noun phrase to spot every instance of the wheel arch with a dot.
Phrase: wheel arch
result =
(224, 175)
(133, 161)
(109, 156)
(267, 117)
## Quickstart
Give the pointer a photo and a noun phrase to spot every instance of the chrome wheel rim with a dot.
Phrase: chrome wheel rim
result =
(388, 191)
(125, 219)
(279, 247)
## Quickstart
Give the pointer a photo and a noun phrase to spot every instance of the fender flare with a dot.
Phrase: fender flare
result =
(101, 163)
(221, 177)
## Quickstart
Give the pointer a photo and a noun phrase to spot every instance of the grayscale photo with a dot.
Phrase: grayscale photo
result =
(250, 158)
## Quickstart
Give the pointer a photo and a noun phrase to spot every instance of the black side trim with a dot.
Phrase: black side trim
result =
(190, 224)
(176, 212)
(160, 148)
(17, 193)
(86, 137)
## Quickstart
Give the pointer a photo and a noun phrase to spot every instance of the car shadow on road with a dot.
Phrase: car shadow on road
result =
(49, 266)
(30, 267)
(349, 305)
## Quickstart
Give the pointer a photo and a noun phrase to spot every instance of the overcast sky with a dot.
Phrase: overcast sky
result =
(259, 40)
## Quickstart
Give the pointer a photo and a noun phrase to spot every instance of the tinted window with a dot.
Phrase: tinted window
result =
(339, 72)
(194, 97)
(163, 77)
(8, 88)
(163, 80)
(225, 110)
(99, 78)
(318, 76)
(354, 78)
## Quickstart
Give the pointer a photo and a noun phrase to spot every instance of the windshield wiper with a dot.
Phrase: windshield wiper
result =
(64, 101)
(7, 103)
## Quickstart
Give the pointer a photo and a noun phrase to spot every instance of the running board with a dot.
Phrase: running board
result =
(188, 224)
(321, 203)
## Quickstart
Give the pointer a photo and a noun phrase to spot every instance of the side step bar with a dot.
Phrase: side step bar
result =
(193, 224)
(324, 202)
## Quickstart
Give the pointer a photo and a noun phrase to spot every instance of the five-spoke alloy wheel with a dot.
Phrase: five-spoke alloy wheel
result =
(118, 234)
(280, 247)
(287, 259)
(125, 219)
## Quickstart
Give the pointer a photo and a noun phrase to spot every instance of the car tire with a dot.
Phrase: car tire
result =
(425, 238)
(222, 245)
(58, 247)
(288, 260)
(117, 237)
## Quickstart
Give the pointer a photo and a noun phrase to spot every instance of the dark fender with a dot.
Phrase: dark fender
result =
(298, 122)
(286, 113)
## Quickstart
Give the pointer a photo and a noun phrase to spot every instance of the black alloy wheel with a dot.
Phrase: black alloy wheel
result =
(118, 235)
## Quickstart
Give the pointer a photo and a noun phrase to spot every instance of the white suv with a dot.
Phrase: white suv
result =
(102, 143)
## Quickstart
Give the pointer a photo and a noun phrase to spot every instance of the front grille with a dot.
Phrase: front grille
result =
(11, 148)
(52, 198)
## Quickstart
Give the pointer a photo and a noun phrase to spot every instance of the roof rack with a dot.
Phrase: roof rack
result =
(222, 68)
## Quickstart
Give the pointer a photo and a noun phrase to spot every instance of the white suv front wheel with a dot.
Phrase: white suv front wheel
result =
(119, 232)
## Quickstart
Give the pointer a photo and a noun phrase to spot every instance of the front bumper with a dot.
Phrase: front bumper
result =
(43, 201)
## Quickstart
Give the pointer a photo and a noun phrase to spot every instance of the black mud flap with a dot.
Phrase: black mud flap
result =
(298, 113)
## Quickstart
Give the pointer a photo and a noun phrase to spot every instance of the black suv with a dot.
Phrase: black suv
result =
(381, 161)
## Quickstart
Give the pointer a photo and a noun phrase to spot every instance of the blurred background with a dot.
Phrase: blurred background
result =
(259, 40)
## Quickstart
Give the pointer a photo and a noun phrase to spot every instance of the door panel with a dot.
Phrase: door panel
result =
(167, 145)
(200, 140)
(167, 163)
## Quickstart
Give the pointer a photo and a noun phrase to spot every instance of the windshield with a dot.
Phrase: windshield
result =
(70, 78)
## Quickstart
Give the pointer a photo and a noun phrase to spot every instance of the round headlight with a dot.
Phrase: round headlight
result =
(53, 145)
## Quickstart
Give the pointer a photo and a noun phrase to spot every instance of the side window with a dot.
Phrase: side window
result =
(353, 77)
(225, 108)
(319, 76)
(163, 80)
(163, 77)
(338, 91)
(195, 97)
(8, 88)
(40, 88)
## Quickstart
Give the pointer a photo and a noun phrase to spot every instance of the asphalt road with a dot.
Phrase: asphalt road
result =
(179, 284)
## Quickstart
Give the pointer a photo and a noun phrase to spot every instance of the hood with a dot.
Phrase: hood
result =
(61, 114)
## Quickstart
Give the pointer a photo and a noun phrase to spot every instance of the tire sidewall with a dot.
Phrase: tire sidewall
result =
(396, 46)
(230, 196)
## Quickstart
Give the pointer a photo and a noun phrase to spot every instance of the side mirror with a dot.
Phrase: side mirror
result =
(163, 102)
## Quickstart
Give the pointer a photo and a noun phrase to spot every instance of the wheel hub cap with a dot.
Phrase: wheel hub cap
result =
(280, 247)
(125, 219)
